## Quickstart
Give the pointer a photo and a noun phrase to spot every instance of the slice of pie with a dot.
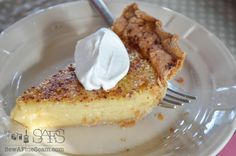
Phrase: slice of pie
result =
(61, 100)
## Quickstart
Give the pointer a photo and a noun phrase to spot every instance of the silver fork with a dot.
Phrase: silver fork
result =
(173, 98)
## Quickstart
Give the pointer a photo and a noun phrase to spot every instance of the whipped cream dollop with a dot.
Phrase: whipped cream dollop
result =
(101, 60)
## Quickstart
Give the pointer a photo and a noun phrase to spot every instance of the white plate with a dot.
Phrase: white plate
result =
(40, 44)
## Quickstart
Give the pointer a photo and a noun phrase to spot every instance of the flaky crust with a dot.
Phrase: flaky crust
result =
(144, 34)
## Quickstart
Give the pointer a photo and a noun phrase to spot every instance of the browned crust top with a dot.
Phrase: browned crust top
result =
(64, 85)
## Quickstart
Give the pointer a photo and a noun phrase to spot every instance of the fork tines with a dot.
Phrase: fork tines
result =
(174, 98)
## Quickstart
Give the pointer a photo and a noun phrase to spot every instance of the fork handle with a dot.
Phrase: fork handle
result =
(104, 11)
